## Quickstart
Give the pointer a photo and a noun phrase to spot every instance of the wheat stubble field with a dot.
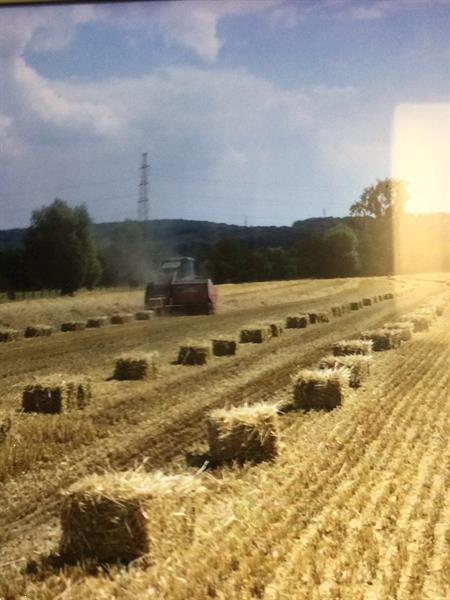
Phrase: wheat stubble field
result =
(355, 506)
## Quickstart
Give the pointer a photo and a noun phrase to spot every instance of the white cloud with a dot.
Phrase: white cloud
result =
(40, 96)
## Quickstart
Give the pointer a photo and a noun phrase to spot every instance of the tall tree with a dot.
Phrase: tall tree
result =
(384, 199)
(60, 250)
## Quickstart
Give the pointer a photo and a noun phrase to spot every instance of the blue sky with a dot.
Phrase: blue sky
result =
(265, 111)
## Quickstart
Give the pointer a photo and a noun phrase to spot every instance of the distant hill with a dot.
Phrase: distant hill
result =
(179, 236)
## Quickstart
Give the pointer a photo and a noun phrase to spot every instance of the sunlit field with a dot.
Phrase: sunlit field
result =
(354, 503)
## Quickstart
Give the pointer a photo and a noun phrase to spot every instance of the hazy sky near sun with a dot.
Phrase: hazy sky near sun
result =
(265, 110)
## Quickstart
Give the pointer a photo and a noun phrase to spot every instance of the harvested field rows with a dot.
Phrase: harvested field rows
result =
(260, 517)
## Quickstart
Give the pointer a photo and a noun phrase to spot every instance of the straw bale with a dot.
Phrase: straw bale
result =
(255, 334)
(38, 331)
(382, 339)
(9, 335)
(194, 353)
(405, 329)
(336, 311)
(145, 315)
(121, 318)
(367, 301)
(297, 322)
(73, 326)
(388, 296)
(318, 317)
(380, 298)
(358, 366)
(344, 347)
(224, 346)
(57, 394)
(320, 389)
(354, 305)
(244, 433)
(345, 308)
(97, 321)
(137, 365)
(375, 299)
(119, 517)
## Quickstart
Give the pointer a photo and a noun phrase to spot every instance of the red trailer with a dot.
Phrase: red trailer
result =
(177, 288)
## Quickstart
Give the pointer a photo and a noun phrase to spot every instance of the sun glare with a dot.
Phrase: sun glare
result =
(421, 157)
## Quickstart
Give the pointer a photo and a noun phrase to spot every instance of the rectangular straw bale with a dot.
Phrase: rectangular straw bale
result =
(121, 318)
(382, 339)
(358, 366)
(73, 326)
(367, 301)
(380, 298)
(245, 433)
(57, 394)
(336, 311)
(388, 296)
(38, 331)
(94, 322)
(320, 389)
(118, 517)
(194, 353)
(145, 315)
(344, 347)
(137, 365)
(345, 307)
(405, 329)
(256, 334)
(297, 322)
(354, 305)
(224, 346)
(9, 335)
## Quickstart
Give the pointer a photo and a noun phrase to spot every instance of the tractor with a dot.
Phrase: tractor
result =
(177, 288)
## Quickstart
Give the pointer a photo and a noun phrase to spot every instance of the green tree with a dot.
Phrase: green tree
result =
(60, 250)
(384, 199)
(341, 252)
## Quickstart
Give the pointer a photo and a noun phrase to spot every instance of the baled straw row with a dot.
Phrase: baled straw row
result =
(9, 335)
(138, 365)
(38, 330)
(122, 516)
(56, 394)
(357, 365)
(243, 433)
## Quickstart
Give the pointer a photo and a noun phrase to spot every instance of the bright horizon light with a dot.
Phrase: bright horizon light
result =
(421, 155)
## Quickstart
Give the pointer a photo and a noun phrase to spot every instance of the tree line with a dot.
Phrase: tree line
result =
(60, 249)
